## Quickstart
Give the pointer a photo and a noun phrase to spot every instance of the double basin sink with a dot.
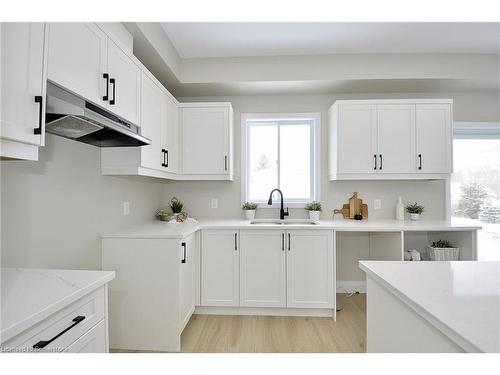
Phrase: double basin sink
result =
(283, 222)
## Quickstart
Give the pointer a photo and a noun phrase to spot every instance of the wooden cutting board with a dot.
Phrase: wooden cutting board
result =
(355, 205)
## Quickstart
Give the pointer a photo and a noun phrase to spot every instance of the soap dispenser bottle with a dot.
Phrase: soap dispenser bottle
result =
(400, 209)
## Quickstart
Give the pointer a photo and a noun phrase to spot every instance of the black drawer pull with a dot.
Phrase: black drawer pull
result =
(43, 344)
(113, 82)
(106, 77)
(39, 100)
(375, 159)
(380, 161)
(419, 161)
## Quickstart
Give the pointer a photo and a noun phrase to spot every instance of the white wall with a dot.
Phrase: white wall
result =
(197, 195)
(54, 210)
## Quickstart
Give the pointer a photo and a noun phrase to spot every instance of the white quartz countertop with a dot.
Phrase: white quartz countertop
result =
(159, 229)
(461, 299)
(30, 295)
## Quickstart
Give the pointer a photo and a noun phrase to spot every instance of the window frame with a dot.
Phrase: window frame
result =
(315, 119)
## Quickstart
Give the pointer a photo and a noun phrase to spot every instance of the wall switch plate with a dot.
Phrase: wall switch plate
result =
(215, 203)
(126, 208)
(377, 204)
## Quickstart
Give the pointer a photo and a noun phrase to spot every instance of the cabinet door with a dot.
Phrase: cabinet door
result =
(205, 140)
(262, 267)
(93, 341)
(170, 135)
(187, 279)
(151, 123)
(77, 59)
(220, 268)
(433, 134)
(396, 138)
(23, 80)
(124, 93)
(357, 138)
(310, 265)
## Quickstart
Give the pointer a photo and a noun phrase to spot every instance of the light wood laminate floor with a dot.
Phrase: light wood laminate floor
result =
(272, 334)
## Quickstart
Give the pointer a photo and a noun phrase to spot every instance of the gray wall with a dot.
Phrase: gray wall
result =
(54, 210)
(197, 195)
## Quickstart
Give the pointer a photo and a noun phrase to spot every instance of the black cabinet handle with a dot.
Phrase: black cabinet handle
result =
(106, 77)
(236, 242)
(39, 100)
(375, 160)
(184, 246)
(164, 164)
(43, 344)
(113, 82)
(225, 162)
(419, 161)
(282, 241)
(289, 241)
(380, 161)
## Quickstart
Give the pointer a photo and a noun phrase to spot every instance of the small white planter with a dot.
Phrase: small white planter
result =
(314, 215)
(250, 214)
(414, 217)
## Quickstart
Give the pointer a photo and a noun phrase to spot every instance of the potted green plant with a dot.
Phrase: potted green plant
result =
(176, 206)
(415, 210)
(314, 209)
(164, 215)
(249, 208)
(442, 250)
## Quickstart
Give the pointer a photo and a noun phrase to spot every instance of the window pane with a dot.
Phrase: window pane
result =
(262, 160)
(475, 190)
(295, 160)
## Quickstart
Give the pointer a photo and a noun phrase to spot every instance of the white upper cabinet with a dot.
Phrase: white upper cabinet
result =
(310, 269)
(23, 87)
(390, 139)
(220, 275)
(152, 112)
(356, 132)
(262, 268)
(395, 138)
(170, 135)
(124, 84)
(78, 59)
(434, 138)
(84, 60)
(206, 140)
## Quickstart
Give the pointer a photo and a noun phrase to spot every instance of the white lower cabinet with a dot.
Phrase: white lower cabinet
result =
(268, 268)
(262, 268)
(309, 266)
(220, 268)
(153, 295)
(94, 341)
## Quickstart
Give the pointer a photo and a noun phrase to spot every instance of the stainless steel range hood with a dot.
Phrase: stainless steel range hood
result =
(75, 118)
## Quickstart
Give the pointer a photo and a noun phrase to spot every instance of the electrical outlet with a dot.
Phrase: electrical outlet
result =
(126, 208)
(377, 204)
(215, 203)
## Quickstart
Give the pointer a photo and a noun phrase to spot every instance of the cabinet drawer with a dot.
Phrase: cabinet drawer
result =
(94, 341)
(91, 307)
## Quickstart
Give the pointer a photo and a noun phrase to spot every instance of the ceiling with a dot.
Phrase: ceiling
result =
(224, 39)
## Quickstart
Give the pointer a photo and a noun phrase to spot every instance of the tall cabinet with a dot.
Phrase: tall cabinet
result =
(23, 88)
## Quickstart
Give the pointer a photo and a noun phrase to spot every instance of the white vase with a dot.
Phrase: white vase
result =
(414, 217)
(314, 215)
(250, 214)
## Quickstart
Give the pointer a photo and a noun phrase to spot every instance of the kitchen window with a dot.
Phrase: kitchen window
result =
(475, 183)
(280, 151)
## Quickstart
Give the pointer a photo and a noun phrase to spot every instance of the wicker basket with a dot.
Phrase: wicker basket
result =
(443, 253)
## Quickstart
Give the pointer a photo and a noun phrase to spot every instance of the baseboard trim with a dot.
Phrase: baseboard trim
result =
(262, 311)
(351, 286)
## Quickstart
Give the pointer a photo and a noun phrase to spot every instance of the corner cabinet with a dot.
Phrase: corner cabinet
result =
(23, 88)
(206, 133)
(390, 139)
